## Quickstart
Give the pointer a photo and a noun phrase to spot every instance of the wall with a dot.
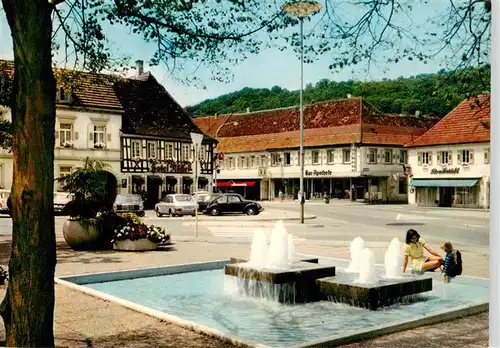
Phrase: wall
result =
(83, 146)
(480, 168)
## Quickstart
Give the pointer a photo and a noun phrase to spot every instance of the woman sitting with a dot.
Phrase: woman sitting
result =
(414, 249)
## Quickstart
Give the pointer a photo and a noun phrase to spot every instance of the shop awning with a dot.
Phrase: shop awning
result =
(235, 183)
(443, 182)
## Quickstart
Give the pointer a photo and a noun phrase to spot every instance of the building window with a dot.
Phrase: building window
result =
(169, 151)
(66, 134)
(315, 157)
(346, 156)
(64, 170)
(230, 162)
(152, 150)
(330, 156)
(444, 157)
(242, 162)
(99, 136)
(288, 158)
(275, 159)
(387, 156)
(403, 187)
(403, 157)
(424, 158)
(487, 156)
(136, 149)
(185, 152)
(372, 156)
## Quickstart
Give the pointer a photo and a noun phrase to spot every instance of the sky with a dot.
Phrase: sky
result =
(269, 68)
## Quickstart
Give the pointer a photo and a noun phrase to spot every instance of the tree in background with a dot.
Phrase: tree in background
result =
(187, 33)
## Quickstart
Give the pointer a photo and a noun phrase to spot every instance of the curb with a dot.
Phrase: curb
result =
(238, 218)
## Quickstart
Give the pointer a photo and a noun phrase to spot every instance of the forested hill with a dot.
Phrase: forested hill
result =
(434, 94)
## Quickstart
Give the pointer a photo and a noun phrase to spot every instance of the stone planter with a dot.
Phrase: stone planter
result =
(80, 236)
(142, 244)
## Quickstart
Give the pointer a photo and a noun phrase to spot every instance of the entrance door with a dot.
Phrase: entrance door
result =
(153, 187)
(445, 196)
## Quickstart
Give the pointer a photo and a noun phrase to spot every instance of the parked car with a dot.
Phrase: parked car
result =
(204, 199)
(60, 201)
(4, 197)
(176, 205)
(232, 203)
(129, 203)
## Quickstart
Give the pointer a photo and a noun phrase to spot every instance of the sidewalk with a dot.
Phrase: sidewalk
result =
(85, 321)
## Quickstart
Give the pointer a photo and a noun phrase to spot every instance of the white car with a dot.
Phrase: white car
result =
(176, 205)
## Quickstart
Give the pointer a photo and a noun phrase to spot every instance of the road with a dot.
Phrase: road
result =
(339, 221)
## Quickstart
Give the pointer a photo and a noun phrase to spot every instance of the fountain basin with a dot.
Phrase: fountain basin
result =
(385, 292)
(295, 284)
(295, 259)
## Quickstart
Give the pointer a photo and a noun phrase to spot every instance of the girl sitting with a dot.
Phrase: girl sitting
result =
(452, 262)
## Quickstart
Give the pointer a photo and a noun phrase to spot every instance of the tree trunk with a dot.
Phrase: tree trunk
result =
(28, 307)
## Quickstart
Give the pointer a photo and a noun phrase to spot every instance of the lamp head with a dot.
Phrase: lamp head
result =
(302, 8)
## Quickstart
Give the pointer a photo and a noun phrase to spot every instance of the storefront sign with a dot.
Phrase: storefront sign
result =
(445, 171)
(318, 172)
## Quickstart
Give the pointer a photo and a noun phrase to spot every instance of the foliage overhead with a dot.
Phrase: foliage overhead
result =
(433, 94)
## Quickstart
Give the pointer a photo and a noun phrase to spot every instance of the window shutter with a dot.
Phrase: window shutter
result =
(91, 137)
(450, 157)
(368, 156)
(459, 157)
(109, 136)
(419, 158)
(430, 158)
(471, 156)
(76, 135)
(439, 158)
(486, 156)
(56, 134)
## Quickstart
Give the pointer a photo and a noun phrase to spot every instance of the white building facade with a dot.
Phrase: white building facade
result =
(455, 175)
(353, 172)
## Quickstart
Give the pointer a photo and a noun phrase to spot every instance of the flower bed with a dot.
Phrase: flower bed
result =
(135, 229)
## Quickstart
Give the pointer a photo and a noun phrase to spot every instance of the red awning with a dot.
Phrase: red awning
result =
(235, 183)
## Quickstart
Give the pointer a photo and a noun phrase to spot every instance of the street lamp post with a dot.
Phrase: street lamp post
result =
(302, 9)
(235, 123)
(196, 138)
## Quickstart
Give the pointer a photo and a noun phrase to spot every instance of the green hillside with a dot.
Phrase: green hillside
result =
(434, 94)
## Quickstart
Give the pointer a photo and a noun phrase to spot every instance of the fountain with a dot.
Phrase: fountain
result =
(259, 249)
(355, 248)
(366, 267)
(279, 275)
(393, 261)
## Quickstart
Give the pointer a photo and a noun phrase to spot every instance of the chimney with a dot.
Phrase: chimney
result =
(349, 96)
(417, 113)
(248, 110)
(139, 64)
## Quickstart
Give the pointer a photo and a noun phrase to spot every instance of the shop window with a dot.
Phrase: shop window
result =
(466, 196)
(315, 157)
(346, 156)
(403, 187)
(288, 158)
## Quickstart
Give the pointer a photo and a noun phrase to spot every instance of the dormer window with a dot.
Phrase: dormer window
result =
(64, 96)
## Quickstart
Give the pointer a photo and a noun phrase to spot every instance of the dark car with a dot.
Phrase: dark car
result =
(204, 199)
(232, 203)
(129, 203)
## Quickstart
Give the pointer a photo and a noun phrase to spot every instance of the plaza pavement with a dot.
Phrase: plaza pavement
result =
(85, 321)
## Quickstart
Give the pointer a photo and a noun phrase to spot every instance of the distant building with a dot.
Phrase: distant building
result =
(351, 151)
(450, 163)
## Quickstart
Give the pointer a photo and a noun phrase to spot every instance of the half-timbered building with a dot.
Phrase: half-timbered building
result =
(156, 149)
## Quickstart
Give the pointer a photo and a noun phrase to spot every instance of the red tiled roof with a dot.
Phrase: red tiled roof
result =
(467, 123)
(91, 90)
(327, 123)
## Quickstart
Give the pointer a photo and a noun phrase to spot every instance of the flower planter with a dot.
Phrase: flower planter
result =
(142, 244)
(80, 235)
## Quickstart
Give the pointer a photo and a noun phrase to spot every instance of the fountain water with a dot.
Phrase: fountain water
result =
(394, 259)
(357, 245)
(259, 250)
(278, 256)
(367, 267)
